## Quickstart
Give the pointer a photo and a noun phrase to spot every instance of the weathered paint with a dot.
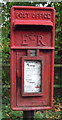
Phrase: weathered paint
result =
(32, 40)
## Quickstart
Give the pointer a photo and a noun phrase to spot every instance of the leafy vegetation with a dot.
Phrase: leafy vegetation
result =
(8, 114)
(58, 40)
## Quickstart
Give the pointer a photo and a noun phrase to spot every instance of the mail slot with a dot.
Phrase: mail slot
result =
(32, 57)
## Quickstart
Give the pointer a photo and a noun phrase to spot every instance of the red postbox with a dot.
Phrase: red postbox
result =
(32, 57)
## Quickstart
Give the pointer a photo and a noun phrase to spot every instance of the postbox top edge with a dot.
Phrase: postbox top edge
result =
(32, 7)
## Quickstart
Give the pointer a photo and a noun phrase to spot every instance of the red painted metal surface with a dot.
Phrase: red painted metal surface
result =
(32, 28)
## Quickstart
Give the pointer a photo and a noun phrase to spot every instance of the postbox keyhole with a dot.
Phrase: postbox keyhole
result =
(32, 52)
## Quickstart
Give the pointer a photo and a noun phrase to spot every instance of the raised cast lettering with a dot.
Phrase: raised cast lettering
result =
(24, 41)
(22, 15)
(26, 15)
(38, 39)
(40, 42)
(32, 37)
(41, 15)
(49, 16)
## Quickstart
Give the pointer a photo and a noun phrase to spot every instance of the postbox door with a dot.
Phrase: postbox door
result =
(25, 95)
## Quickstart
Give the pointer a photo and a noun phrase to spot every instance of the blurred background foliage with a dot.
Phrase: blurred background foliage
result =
(8, 114)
